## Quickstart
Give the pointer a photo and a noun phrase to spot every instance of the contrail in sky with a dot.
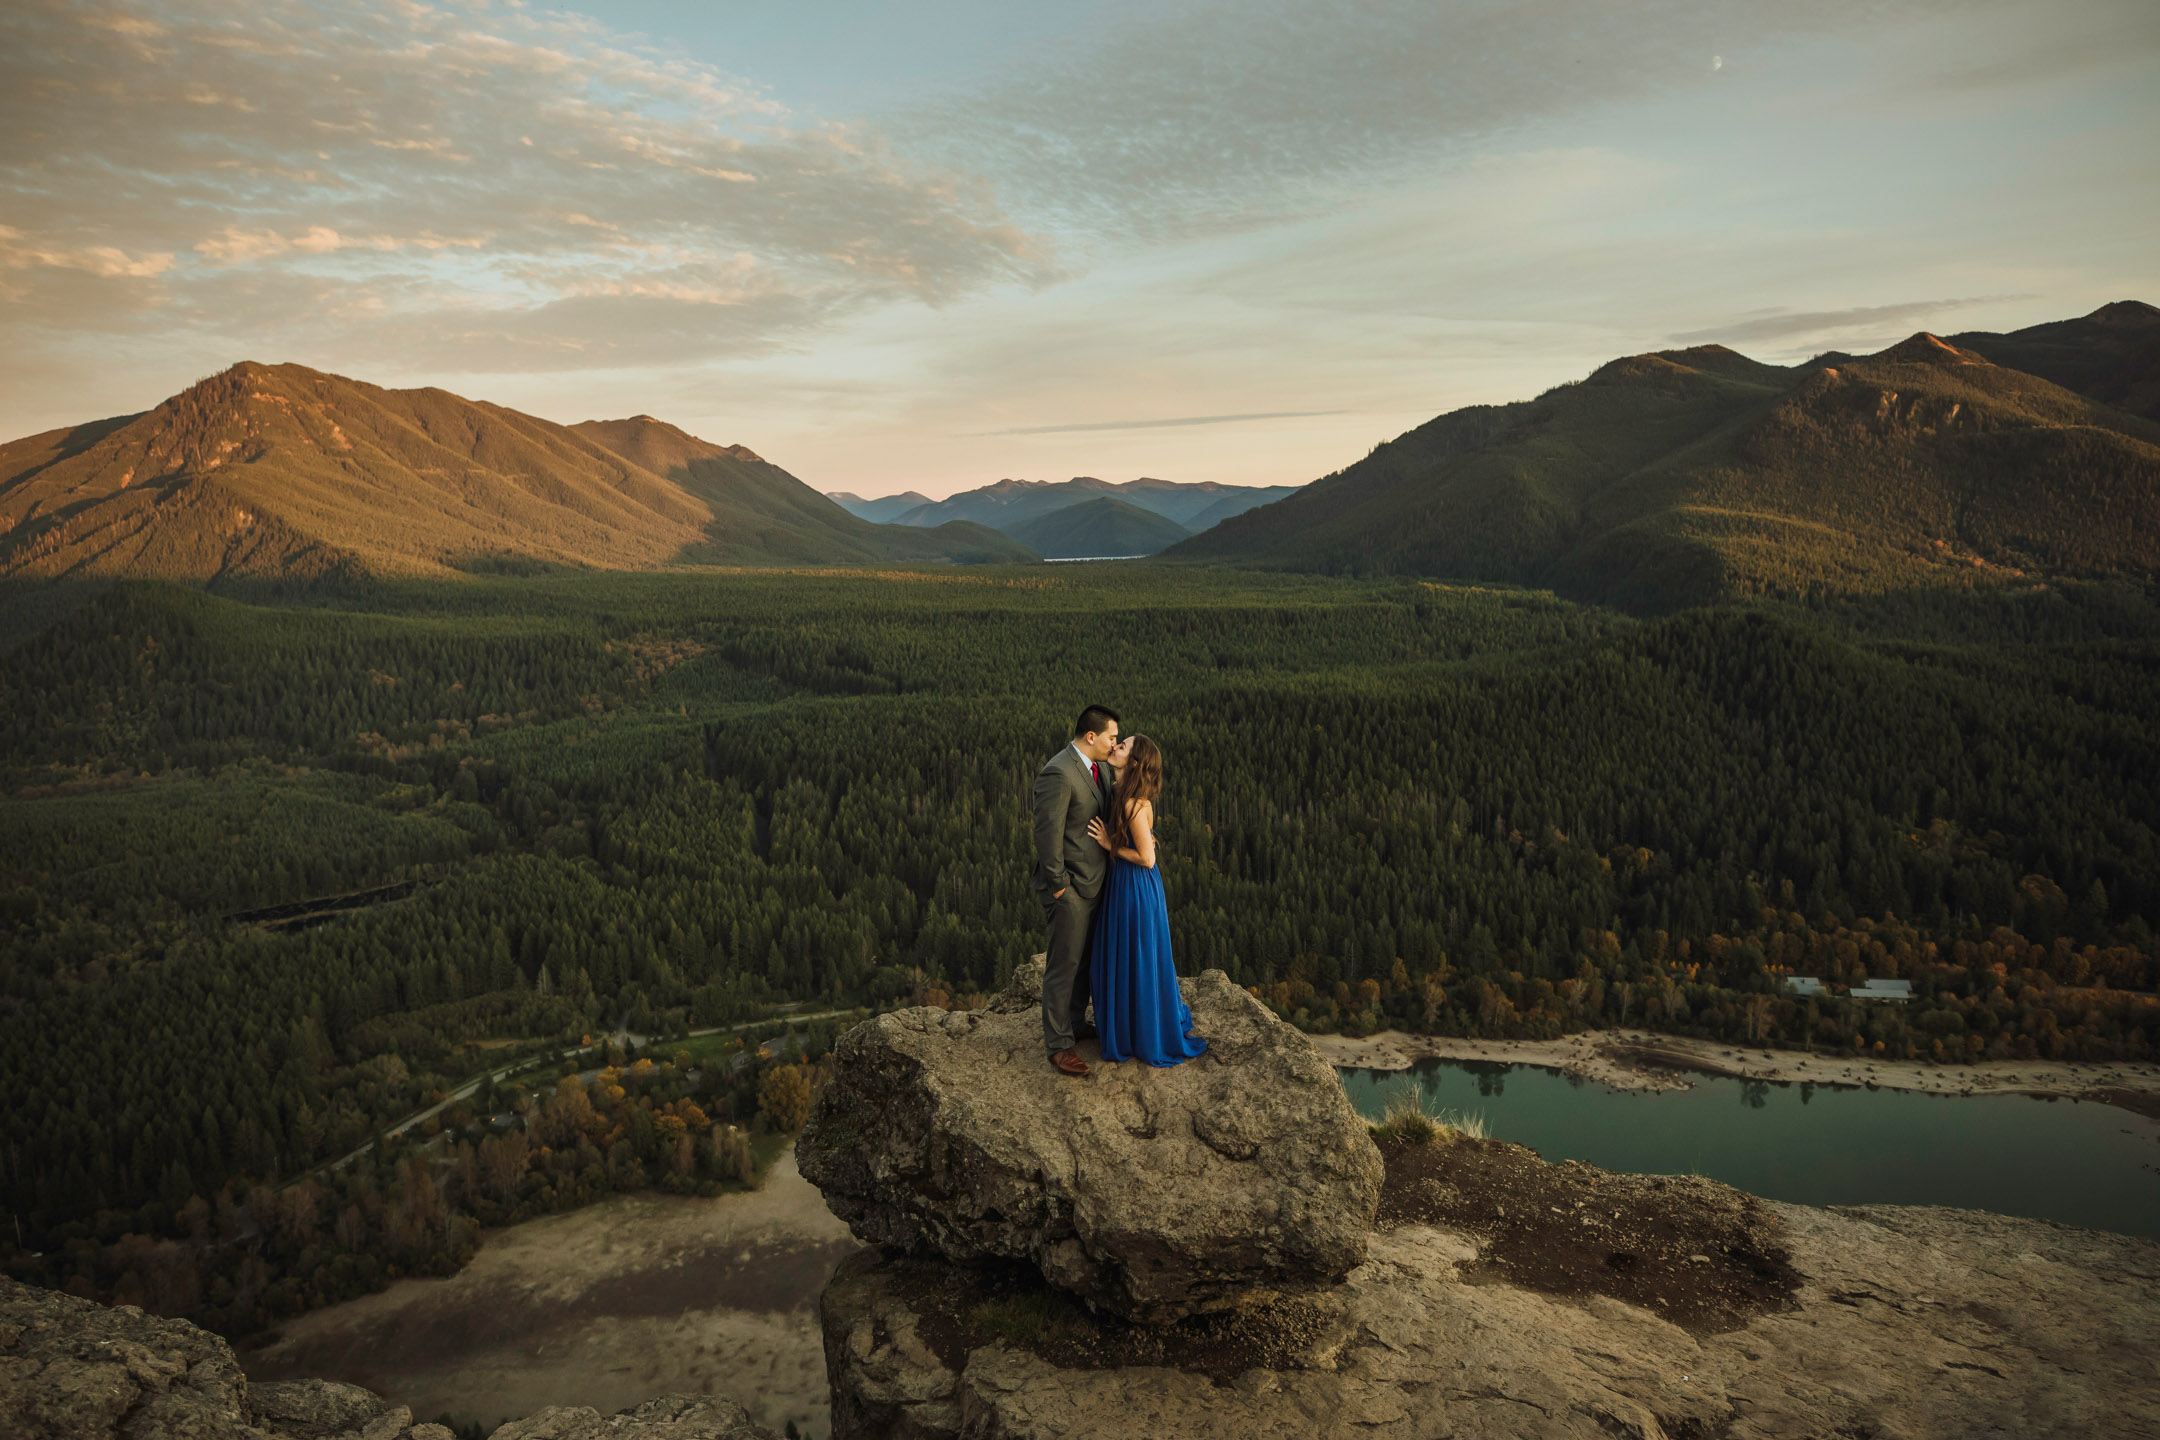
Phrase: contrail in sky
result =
(1167, 424)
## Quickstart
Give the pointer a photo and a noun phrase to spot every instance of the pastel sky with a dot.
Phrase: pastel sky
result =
(930, 245)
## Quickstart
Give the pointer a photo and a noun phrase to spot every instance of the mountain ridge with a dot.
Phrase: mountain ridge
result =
(1684, 476)
(2111, 354)
(287, 472)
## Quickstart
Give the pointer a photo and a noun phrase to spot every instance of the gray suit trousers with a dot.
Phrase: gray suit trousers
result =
(1065, 972)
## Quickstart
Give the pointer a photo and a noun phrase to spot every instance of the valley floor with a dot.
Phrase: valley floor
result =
(606, 1306)
(1644, 1060)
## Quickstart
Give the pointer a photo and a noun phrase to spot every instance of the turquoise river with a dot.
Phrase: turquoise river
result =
(2081, 1163)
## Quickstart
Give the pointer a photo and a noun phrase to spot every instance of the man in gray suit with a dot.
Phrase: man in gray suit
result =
(1071, 789)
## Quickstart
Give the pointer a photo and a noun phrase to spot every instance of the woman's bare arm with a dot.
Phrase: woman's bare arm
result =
(1142, 850)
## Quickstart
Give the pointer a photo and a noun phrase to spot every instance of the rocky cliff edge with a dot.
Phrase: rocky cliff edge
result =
(1493, 1294)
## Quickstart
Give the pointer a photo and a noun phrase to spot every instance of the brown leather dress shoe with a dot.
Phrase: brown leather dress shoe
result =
(1068, 1062)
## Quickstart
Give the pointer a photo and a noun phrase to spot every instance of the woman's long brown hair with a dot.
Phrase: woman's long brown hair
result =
(1141, 779)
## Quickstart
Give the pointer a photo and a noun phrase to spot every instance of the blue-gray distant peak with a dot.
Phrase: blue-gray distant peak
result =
(1008, 503)
(882, 510)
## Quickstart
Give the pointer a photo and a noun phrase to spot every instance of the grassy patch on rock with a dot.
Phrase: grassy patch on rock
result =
(1410, 1121)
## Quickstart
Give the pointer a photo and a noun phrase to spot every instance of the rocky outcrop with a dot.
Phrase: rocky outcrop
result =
(328, 1409)
(671, 1417)
(74, 1370)
(1151, 1194)
(1789, 1322)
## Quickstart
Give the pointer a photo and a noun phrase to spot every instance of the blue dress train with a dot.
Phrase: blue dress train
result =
(1138, 1010)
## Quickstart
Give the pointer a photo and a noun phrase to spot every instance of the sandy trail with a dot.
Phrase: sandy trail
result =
(640, 1295)
(1643, 1060)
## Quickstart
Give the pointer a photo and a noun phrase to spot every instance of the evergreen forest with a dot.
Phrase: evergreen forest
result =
(281, 868)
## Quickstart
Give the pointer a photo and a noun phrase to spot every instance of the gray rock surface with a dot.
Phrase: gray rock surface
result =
(74, 1370)
(316, 1409)
(71, 1369)
(1909, 1323)
(671, 1417)
(1152, 1194)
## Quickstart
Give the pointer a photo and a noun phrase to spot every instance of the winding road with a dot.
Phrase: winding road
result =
(466, 1091)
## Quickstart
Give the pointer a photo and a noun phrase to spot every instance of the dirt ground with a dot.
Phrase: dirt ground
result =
(606, 1306)
(1703, 1255)
(1644, 1060)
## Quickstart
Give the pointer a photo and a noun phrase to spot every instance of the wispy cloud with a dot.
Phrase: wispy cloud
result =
(1868, 320)
(1178, 422)
(1227, 115)
(451, 184)
(2065, 44)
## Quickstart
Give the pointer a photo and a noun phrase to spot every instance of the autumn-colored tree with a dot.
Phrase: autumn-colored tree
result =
(567, 1115)
(502, 1163)
(784, 1098)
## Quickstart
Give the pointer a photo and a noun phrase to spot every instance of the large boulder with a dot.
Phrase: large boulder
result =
(1152, 1194)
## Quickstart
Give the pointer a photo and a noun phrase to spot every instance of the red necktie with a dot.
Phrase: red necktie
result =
(1095, 768)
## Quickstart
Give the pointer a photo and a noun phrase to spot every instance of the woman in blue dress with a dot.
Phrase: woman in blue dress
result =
(1138, 1010)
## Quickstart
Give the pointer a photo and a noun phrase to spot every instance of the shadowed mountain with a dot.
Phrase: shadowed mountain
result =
(279, 471)
(761, 513)
(1099, 528)
(881, 511)
(1242, 499)
(1006, 504)
(2111, 355)
(1694, 475)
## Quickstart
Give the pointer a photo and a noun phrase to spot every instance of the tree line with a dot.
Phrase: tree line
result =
(670, 801)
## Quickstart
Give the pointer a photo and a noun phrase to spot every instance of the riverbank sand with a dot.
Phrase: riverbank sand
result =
(1644, 1060)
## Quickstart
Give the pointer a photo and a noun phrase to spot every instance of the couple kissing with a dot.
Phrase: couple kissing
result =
(1109, 925)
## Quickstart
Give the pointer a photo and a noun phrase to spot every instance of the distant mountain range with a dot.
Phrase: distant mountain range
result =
(882, 511)
(279, 470)
(1103, 528)
(1695, 475)
(1012, 506)
(1658, 481)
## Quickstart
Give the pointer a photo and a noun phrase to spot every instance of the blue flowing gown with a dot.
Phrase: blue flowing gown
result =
(1138, 1009)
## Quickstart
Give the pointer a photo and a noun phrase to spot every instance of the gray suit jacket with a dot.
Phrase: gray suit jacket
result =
(1066, 798)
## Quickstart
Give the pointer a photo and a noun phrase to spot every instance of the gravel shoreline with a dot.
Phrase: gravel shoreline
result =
(1645, 1060)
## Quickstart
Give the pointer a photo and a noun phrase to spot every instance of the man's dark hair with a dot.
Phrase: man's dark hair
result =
(1093, 719)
